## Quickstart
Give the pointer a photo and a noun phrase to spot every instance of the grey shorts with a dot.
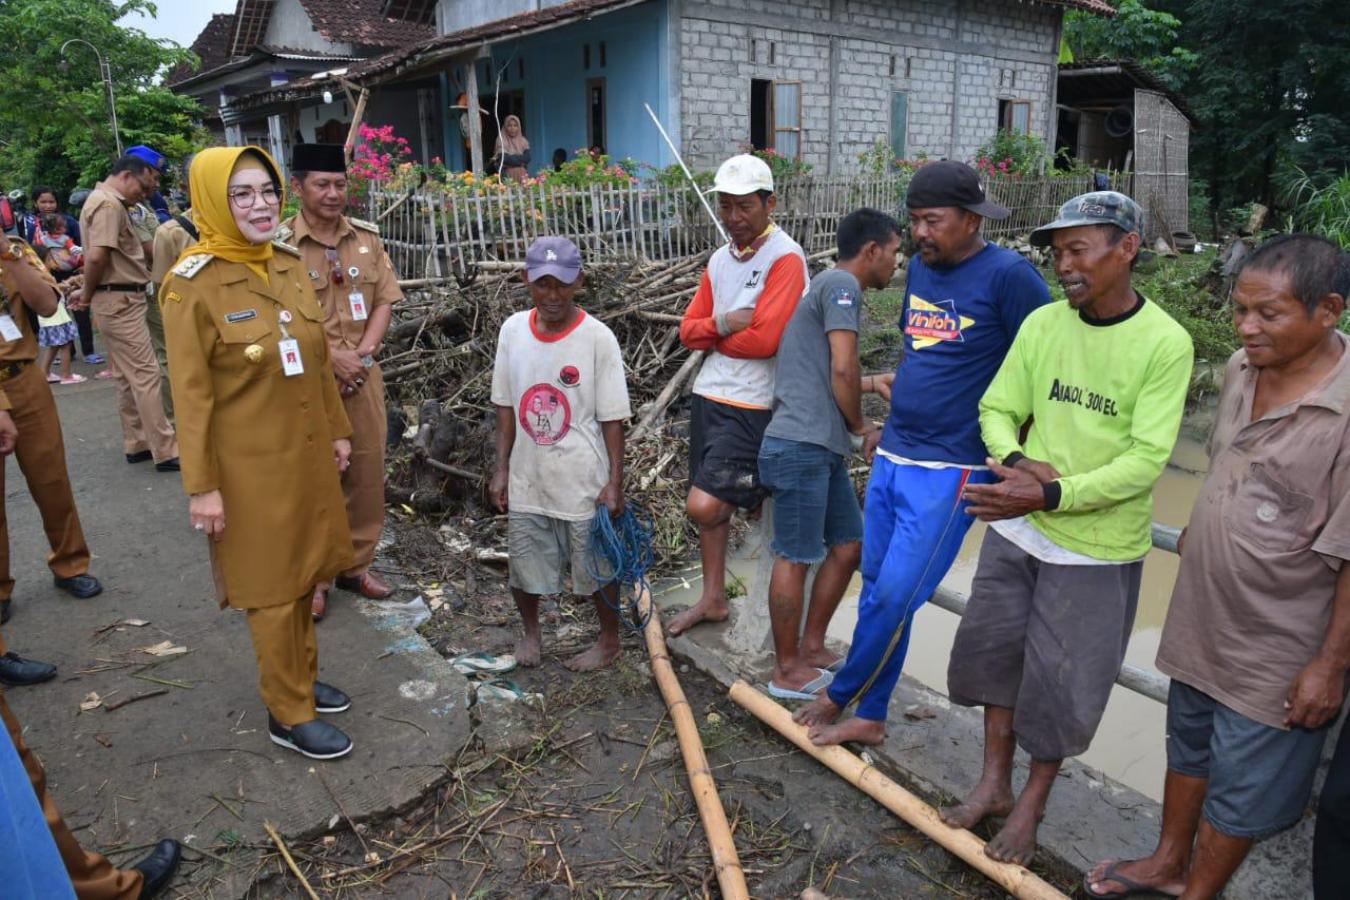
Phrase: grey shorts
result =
(1045, 641)
(541, 547)
(1260, 778)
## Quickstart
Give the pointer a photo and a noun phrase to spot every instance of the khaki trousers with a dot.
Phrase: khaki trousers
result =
(363, 482)
(288, 659)
(154, 321)
(121, 318)
(41, 453)
(91, 874)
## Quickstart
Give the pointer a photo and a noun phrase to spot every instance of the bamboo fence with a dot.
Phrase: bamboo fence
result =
(437, 234)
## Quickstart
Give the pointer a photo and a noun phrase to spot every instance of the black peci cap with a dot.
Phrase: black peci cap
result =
(318, 158)
(948, 183)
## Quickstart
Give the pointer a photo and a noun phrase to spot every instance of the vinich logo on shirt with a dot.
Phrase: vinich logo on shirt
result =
(927, 323)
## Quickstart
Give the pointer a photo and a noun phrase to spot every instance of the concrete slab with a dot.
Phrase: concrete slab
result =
(195, 763)
(1089, 817)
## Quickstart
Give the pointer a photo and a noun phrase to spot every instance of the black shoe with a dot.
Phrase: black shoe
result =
(315, 739)
(5, 612)
(81, 586)
(167, 465)
(328, 699)
(158, 867)
(140, 457)
(18, 672)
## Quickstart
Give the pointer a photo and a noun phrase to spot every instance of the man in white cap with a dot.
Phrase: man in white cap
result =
(748, 293)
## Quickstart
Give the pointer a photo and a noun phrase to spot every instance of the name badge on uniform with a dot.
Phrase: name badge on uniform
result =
(9, 331)
(291, 363)
(358, 302)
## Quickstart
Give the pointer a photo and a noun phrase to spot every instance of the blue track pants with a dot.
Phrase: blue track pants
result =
(913, 524)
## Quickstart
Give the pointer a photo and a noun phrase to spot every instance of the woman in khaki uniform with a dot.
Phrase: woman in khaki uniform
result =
(262, 432)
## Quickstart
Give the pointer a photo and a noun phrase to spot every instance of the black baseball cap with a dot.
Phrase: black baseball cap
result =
(950, 183)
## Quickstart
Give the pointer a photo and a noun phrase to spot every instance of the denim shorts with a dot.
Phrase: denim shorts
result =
(1260, 777)
(814, 503)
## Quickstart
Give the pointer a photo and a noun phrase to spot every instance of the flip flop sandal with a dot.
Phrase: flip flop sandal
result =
(1132, 887)
(835, 667)
(480, 663)
(501, 690)
(318, 605)
(53, 379)
(808, 691)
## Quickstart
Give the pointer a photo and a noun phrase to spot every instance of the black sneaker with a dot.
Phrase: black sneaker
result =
(80, 586)
(168, 465)
(140, 456)
(18, 672)
(158, 868)
(328, 699)
(315, 738)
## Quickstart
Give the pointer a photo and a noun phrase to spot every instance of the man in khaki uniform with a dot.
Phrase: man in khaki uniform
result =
(115, 276)
(26, 284)
(171, 239)
(357, 287)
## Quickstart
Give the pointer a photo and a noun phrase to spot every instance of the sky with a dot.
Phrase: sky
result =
(178, 20)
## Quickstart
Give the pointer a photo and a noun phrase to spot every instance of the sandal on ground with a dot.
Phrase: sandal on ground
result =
(477, 664)
(1132, 887)
(74, 379)
(808, 691)
(105, 374)
(501, 690)
(52, 379)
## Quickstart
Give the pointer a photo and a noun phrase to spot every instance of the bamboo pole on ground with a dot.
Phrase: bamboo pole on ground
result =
(1016, 880)
(726, 864)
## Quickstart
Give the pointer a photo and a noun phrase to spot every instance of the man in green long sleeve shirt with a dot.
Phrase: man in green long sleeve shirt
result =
(1102, 379)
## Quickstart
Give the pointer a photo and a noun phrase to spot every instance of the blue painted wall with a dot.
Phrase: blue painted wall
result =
(636, 70)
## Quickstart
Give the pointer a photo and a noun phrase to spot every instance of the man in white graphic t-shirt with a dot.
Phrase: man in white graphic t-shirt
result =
(561, 399)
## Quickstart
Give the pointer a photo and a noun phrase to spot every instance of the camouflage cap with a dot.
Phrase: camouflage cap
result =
(1095, 208)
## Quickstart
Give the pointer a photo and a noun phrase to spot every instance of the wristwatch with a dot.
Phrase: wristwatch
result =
(13, 251)
(368, 360)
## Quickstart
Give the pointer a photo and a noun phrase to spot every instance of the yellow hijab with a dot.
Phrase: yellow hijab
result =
(209, 182)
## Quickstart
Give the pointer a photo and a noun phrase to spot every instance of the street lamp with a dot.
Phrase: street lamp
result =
(106, 71)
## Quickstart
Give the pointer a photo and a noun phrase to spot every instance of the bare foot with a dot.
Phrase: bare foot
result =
(1147, 872)
(527, 650)
(796, 678)
(1016, 841)
(819, 659)
(705, 610)
(600, 655)
(988, 799)
(820, 711)
(854, 730)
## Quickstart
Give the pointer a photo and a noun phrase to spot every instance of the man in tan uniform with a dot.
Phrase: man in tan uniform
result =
(357, 287)
(115, 277)
(171, 239)
(25, 284)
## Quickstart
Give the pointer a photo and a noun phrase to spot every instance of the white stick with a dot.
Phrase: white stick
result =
(717, 223)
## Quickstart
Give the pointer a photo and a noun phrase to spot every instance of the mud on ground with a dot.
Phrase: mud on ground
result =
(583, 792)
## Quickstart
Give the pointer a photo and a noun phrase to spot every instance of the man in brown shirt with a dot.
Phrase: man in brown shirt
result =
(171, 239)
(115, 276)
(1257, 638)
(25, 284)
(356, 285)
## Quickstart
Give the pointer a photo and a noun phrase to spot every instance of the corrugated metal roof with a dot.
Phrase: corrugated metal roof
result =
(1088, 80)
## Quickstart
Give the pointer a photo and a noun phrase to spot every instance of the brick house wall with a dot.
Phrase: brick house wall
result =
(954, 61)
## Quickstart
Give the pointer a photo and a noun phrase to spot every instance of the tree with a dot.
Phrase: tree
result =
(53, 123)
(1137, 32)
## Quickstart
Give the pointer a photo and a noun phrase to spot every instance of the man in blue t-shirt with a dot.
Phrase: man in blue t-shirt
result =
(964, 302)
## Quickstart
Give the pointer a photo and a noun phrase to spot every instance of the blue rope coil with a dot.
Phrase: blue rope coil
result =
(621, 552)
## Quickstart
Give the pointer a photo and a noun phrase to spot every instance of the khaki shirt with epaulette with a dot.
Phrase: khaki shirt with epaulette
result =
(25, 349)
(105, 222)
(364, 267)
(171, 239)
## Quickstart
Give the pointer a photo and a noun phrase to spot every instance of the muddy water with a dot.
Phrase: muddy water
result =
(1129, 743)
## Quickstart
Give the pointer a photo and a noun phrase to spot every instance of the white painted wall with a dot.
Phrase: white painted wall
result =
(290, 26)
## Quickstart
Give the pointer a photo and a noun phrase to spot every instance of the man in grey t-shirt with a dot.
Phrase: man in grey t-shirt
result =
(817, 424)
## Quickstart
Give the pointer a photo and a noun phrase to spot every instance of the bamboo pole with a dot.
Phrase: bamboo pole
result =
(727, 865)
(1016, 880)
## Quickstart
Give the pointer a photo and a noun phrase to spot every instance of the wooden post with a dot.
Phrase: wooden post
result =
(360, 113)
(1016, 880)
(473, 113)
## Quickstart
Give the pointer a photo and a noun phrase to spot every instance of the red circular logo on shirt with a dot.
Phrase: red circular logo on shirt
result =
(569, 376)
(545, 414)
